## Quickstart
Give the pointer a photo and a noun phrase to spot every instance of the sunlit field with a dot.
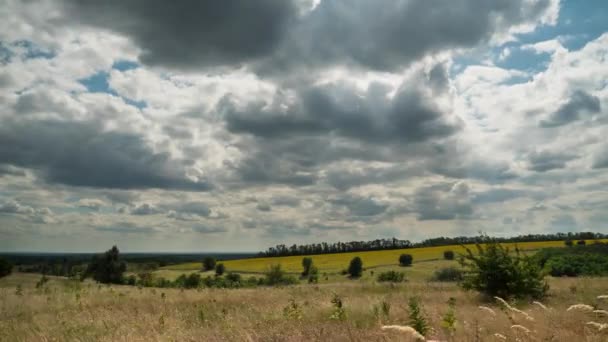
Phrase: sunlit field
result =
(332, 263)
(64, 310)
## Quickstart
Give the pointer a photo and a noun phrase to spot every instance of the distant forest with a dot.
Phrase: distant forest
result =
(385, 244)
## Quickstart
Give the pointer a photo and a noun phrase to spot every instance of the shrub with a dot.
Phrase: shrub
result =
(448, 255)
(313, 275)
(209, 263)
(495, 272)
(191, 281)
(406, 260)
(581, 242)
(569, 243)
(417, 318)
(107, 268)
(306, 264)
(220, 269)
(233, 277)
(448, 274)
(5, 268)
(276, 276)
(391, 276)
(338, 313)
(355, 269)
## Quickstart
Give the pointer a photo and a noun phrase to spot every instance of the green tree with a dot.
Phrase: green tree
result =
(5, 268)
(220, 269)
(107, 268)
(355, 269)
(406, 259)
(306, 264)
(495, 271)
(209, 263)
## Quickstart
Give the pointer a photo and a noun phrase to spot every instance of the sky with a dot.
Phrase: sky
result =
(236, 125)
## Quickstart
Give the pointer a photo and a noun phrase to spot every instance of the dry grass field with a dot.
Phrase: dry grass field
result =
(332, 263)
(65, 310)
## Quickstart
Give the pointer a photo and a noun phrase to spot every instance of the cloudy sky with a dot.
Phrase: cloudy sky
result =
(234, 125)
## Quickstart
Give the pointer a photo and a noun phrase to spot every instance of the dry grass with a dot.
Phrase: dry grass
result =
(70, 311)
(339, 261)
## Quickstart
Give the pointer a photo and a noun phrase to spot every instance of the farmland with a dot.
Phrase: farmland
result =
(334, 263)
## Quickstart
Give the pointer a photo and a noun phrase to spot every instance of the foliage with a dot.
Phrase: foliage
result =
(233, 277)
(306, 265)
(107, 268)
(448, 255)
(448, 321)
(276, 276)
(209, 263)
(6, 267)
(494, 271)
(417, 319)
(43, 280)
(569, 243)
(579, 260)
(355, 268)
(338, 313)
(448, 274)
(391, 276)
(191, 281)
(581, 242)
(292, 310)
(313, 275)
(220, 269)
(406, 260)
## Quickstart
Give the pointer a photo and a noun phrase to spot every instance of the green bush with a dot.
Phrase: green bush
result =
(391, 276)
(575, 265)
(220, 269)
(355, 268)
(107, 268)
(5, 268)
(306, 265)
(494, 271)
(209, 263)
(406, 260)
(448, 255)
(276, 276)
(233, 277)
(448, 274)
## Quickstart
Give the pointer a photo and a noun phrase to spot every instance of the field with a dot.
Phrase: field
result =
(65, 310)
(333, 263)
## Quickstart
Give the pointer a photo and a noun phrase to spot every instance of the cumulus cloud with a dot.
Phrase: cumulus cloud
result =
(579, 103)
(443, 202)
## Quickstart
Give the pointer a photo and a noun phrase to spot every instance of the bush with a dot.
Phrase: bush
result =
(581, 242)
(191, 281)
(578, 265)
(220, 269)
(406, 260)
(355, 269)
(448, 274)
(495, 272)
(313, 275)
(569, 243)
(209, 263)
(391, 276)
(233, 277)
(5, 268)
(448, 255)
(306, 264)
(276, 276)
(107, 268)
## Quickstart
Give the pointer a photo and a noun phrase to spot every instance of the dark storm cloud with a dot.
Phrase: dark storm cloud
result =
(360, 206)
(346, 179)
(444, 201)
(189, 34)
(81, 154)
(578, 104)
(547, 160)
(389, 34)
(600, 159)
(339, 109)
(9, 170)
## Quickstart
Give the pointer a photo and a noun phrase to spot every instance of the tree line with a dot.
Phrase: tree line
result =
(394, 243)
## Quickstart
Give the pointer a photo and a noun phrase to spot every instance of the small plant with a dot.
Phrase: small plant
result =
(448, 274)
(338, 313)
(417, 319)
(43, 280)
(448, 255)
(406, 260)
(448, 321)
(355, 269)
(391, 276)
(292, 310)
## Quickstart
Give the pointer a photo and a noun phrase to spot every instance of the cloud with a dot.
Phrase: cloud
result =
(443, 202)
(191, 34)
(82, 154)
(546, 160)
(125, 228)
(91, 203)
(360, 206)
(263, 207)
(145, 209)
(579, 103)
(208, 230)
(9, 170)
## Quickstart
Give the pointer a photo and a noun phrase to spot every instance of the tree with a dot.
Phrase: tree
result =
(306, 264)
(448, 255)
(355, 269)
(406, 259)
(494, 271)
(5, 268)
(107, 268)
(220, 269)
(209, 263)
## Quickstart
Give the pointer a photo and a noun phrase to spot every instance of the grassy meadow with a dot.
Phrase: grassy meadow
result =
(66, 310)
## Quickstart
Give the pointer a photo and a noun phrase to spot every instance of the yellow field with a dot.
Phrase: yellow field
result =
(331, 263)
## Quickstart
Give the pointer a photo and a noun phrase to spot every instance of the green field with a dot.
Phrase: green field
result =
(334, 263)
